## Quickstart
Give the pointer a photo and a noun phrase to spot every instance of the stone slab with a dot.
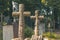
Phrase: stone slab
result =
(7, 32)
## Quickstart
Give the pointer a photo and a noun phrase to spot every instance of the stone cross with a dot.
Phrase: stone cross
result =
(37, 17)
(21, 15)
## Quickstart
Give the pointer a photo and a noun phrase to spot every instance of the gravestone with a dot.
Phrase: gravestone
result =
(41, 28)
(37, 18)
(21, 13)
(7, 32)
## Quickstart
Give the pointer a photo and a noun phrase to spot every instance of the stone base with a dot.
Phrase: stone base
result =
(15, 39)
(36, 37)
(45, 39)
(27, 39)
(32, 38)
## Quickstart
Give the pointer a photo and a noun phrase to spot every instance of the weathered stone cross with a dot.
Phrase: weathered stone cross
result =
(21, 15)
(37, 17)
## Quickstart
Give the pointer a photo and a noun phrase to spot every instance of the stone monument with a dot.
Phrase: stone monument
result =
(37, 18)
(41, 28)
(7, 32)
(21, 15)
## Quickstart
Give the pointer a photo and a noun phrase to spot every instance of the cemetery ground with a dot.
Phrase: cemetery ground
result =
(28, 33)
(49, 35)
(52, 36)
(1, 36)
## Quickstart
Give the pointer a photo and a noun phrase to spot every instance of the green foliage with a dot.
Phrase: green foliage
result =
(1, 34)
(55, 4)
(51, 35)
(28, 32)
(4, 23)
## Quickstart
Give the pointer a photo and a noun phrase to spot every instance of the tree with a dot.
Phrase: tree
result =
(56, 9)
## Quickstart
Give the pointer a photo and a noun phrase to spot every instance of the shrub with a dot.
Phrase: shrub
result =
(50, 35)
(28, 32)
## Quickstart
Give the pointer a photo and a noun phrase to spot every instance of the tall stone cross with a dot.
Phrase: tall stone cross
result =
(21, 15)
(37, 18)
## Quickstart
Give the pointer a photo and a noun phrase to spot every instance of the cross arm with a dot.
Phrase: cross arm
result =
(32, 17)
(15, 13)
(41, 17)
(27, 13)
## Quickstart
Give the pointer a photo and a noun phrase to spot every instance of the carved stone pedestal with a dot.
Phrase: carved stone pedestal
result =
(15, 39)
(45, 39)
(27, 39)
(34, 37)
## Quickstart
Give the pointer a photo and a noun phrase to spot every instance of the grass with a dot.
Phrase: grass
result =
(1, 36)
(51, 35)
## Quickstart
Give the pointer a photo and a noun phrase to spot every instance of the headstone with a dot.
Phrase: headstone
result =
(21, 14)
(37, 17)
(41, 28)
(7, 32)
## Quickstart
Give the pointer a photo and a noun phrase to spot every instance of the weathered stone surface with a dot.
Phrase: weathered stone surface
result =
(15, 30)
(45, 39)
(41, 28)
(15, 39)
(7, 32)
(21, 14)
(27, 39)
(37, 18)
(34, 37)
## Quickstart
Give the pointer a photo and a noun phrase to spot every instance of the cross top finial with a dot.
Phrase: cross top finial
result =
(37, 11)
(21, 7)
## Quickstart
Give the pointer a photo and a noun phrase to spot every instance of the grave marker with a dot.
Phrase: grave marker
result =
(37, 18)
(7, 32)
(21, 15)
